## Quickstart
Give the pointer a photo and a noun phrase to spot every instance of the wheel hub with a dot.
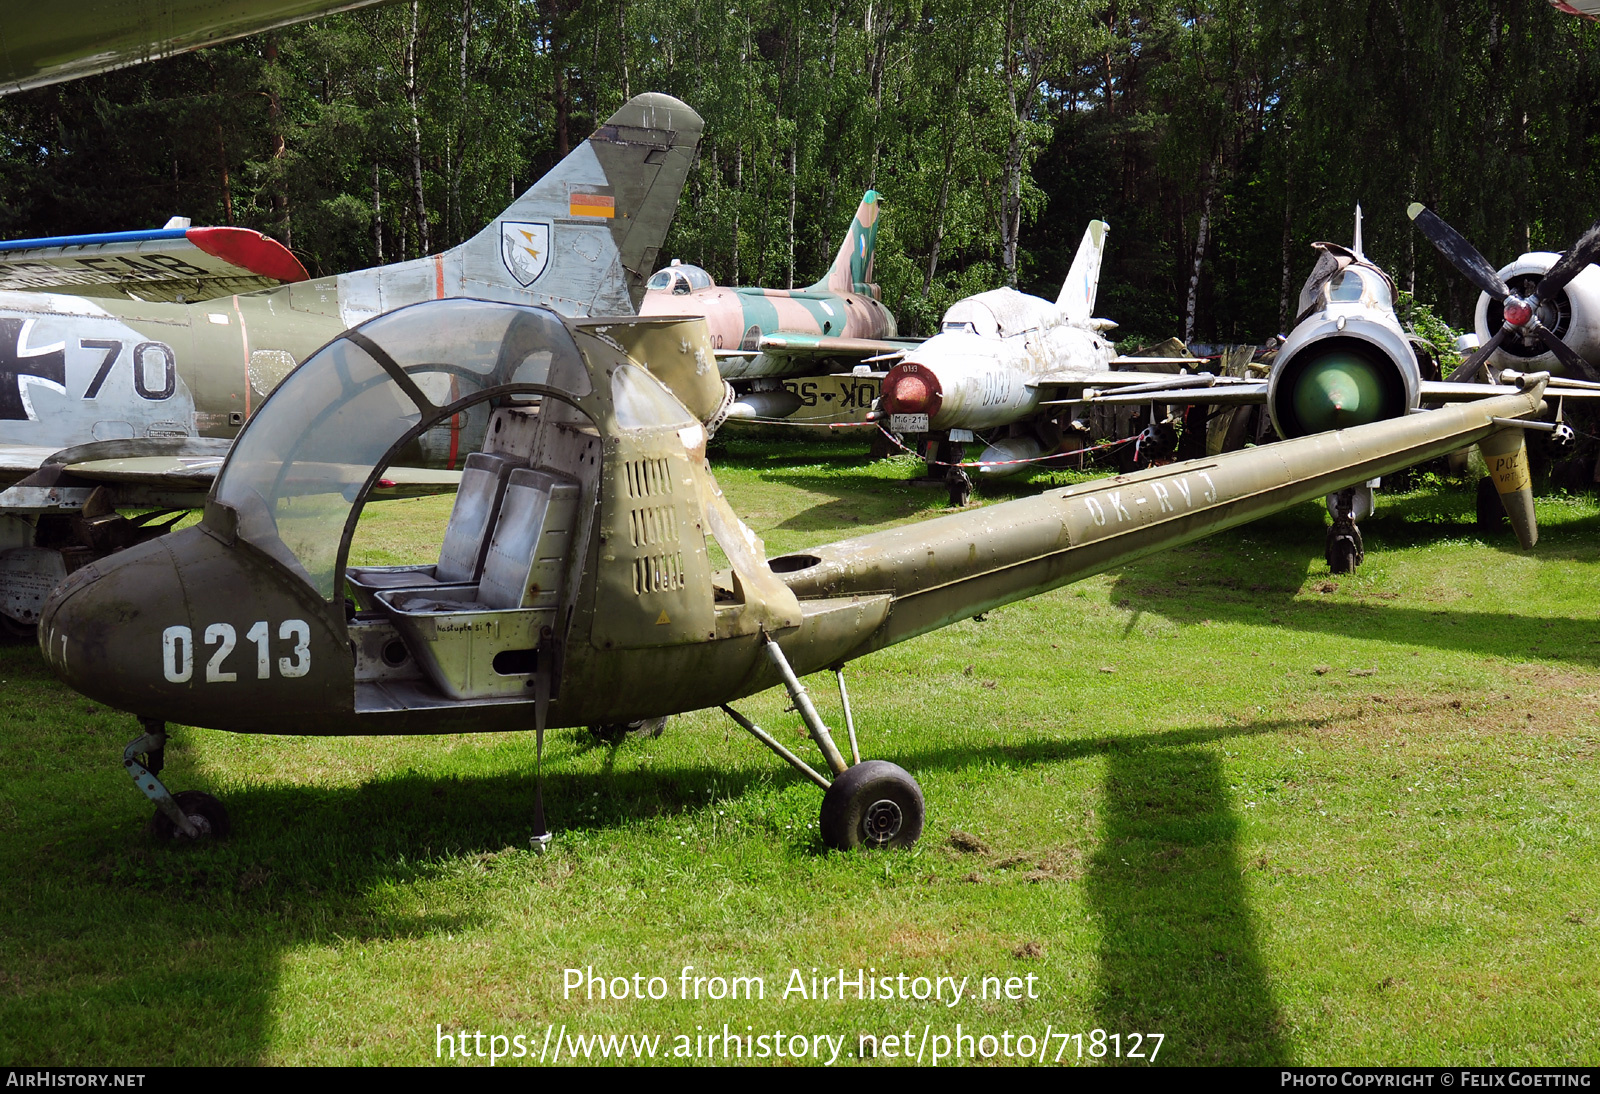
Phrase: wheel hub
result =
(882, 820)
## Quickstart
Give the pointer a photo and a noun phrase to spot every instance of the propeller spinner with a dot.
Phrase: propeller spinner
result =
(1520, 312)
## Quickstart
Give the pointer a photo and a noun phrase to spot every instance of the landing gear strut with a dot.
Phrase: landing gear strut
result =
(1343, 548)
(867, 804)
(187, 815)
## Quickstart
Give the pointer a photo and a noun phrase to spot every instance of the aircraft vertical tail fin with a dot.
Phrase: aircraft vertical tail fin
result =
(852, 266)
(582, 240)
(1083, 279)
(1356, 243)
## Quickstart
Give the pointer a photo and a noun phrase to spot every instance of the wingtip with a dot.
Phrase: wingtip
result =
(1415, 209)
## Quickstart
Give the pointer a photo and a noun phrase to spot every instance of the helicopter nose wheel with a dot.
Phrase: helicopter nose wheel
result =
(186, 815)
(205, 813)
(873, 804)
(616, 732)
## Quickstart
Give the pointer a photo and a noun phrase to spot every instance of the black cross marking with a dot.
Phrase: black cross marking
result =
(14, 366)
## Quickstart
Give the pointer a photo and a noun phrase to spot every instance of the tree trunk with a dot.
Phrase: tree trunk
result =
(622, 47)
(1199, 256)
(938, 215)
(558, 64)
(424, 245)
(793, 196)
(377, 216)
(462, 129)
(280, 184)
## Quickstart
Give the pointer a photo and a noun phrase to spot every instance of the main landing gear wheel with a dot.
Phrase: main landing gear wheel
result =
(204, 812)
(873, 804)
(960, 485)
(614, 732)
(1343, 549)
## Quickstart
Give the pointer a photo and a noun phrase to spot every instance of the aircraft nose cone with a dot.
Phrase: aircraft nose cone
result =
(1337, 391)
(910, 388)
(91, 623)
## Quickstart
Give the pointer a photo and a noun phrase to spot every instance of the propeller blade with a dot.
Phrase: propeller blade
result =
(1583, 252)
(1462, 255)
(1576, 365)
(1467, 372)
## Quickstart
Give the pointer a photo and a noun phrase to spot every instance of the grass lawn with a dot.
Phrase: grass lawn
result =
(1217, 795)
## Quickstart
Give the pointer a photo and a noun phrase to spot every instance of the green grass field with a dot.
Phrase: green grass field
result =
(1273, 816)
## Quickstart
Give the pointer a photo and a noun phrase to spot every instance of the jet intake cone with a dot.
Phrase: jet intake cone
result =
(1340, 390)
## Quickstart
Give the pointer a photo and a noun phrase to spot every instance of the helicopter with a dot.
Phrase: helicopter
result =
(576, 584)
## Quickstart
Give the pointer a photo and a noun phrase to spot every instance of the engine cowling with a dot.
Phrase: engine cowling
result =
(1337, 374)
(1572, 314)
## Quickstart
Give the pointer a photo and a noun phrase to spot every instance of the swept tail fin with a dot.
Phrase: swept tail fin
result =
(581, 240)
(1083, 279)
(852, 266)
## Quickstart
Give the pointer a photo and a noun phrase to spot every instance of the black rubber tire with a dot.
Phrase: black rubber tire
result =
(873, 804)
(197, 806)
(1492, 519)
(960, 485)
(1341, 555)
(615, 732)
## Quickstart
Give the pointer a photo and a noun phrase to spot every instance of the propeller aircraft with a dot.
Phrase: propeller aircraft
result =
(126, 394)
(576, 584)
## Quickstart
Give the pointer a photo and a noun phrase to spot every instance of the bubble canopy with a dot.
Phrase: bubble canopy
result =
(302, 462)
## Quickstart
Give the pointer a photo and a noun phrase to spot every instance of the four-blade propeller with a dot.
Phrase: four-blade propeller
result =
(1520, 314)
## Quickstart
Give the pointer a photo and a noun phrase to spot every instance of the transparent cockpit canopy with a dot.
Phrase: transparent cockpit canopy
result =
(298, 468)
(479, 344)
(680, 279)
(1357, 284)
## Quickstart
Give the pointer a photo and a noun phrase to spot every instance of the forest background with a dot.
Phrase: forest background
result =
(1218, 139)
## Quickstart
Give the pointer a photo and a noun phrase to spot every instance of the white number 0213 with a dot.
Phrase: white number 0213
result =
(177, 651)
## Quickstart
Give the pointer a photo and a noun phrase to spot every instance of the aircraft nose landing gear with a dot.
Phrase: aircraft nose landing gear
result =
(187, 815)
(868, 804)
(1343, 548)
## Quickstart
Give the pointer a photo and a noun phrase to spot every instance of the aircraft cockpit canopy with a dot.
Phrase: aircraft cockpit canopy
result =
(998, 313)
(1360, 283)
(681, 280)
(304, 460)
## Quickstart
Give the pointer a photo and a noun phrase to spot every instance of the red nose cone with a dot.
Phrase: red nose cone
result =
(1517, 312)
(911, 389)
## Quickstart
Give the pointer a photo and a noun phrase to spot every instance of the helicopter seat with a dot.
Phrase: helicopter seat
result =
(480, 640)
(466, 539)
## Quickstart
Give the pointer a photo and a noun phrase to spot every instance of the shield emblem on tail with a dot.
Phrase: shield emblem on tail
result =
(525, 249)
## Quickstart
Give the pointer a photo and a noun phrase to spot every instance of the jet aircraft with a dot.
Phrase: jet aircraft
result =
(761, 336)
(1005, 359)
(62, 41)
(576, 584)
(164, 375)
(1017, 361)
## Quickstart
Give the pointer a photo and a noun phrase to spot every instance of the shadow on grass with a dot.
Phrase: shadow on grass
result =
(115, 949)
(1178, 950)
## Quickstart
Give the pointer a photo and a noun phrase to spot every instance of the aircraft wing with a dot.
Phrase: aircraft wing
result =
(1139, 388)
(142, 473)
(181, 472)
(817, 346)
(172, 265)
